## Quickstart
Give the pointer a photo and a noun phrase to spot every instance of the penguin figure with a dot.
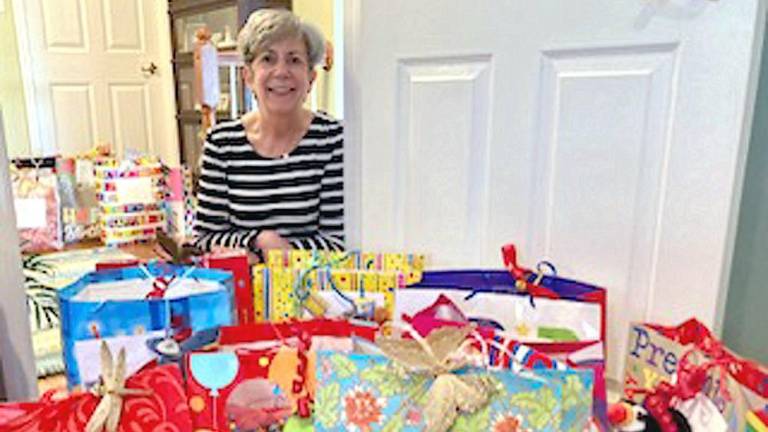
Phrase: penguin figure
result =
(627, 416)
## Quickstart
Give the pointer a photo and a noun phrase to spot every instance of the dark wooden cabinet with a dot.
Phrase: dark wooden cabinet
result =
(224, 19)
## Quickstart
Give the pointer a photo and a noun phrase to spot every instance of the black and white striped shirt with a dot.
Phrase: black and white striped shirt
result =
(300, 195)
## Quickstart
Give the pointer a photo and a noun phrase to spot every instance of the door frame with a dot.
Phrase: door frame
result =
(741, 163)
(353, 130)
(24, 41)
(353, 142)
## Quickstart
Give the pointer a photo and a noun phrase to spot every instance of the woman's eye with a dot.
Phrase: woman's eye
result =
(267, 59)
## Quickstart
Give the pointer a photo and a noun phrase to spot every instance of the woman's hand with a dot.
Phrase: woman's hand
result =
(269, 239)
(161, 254)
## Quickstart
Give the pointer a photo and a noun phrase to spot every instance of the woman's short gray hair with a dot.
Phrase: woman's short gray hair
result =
(268, 26)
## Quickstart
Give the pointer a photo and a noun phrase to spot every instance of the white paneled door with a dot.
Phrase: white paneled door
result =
(99, 71)
(606, 136)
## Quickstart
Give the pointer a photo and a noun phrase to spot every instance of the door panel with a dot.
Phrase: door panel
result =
(604, 136)
(131, 113)
(65, 25)
(74, 114)
(124, 25)
(452, 150)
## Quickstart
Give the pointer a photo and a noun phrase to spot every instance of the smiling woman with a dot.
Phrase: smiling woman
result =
(273, 179)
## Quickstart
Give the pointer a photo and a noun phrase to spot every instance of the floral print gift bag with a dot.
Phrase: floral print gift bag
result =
(426, 386)
(36, 200)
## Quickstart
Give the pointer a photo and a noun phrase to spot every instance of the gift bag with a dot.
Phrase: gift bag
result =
(655, 364)
(285, 293)
(155, 400)
(581, 356)
(411, 265)
(757, 421)
(137, 300)
(236, 262)
(131, 196)
(37, 204)
(532, 306)
(181, 203)
(138, 354)
(79, 203)
(263, 374)
(415, 386)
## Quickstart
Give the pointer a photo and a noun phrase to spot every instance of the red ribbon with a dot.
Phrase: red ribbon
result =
(690, 381)
(747, 373)
(304, 403)
(159, 286)
(509, 255)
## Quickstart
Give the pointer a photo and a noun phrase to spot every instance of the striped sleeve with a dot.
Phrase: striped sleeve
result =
(330, 233)
(212, 226)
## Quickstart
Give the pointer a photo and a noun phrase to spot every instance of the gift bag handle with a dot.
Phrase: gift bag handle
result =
(509, 256)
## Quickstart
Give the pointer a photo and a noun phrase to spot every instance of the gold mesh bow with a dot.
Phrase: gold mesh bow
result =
(440, 354)
(111, 389)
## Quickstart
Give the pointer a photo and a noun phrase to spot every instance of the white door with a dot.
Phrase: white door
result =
(99, 71)
(606, 136)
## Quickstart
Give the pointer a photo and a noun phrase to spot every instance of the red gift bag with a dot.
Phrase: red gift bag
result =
(235, 261)
(163, 409)
(260, 374)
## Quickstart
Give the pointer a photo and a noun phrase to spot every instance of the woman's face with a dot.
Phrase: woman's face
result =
(280, 76)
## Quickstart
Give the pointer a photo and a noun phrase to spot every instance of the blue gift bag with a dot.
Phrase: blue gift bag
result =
(138, 300)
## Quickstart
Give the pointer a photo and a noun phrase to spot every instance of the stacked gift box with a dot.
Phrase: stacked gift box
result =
(131, 196)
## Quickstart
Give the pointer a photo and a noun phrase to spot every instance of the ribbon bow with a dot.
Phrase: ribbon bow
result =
(440, 355)
(691, 379)
(111, 389)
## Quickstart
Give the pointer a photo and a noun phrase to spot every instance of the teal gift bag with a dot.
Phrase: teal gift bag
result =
(409, 391)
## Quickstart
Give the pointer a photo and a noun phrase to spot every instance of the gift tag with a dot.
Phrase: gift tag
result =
(84, 172)
(30, 212)
(134, 190)
(703, 415)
